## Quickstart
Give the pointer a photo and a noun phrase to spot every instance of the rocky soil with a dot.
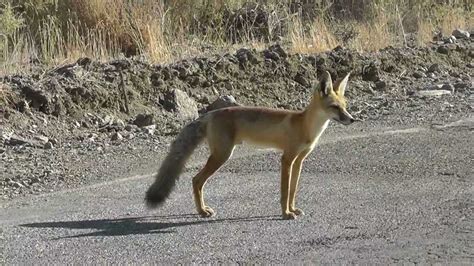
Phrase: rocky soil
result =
(89, 121)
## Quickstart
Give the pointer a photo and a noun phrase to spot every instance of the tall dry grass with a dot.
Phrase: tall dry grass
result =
(58, 31)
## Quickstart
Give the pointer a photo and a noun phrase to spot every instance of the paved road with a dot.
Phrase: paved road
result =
(370, 196)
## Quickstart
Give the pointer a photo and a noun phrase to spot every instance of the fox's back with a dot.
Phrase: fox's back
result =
(256, 125)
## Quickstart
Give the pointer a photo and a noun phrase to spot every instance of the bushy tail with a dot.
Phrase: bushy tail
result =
(180, 151)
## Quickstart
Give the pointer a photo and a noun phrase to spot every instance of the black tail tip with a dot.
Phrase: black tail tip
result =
(154, 200)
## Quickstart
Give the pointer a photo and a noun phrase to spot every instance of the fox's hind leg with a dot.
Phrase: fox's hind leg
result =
(295, 175)
(220, 153)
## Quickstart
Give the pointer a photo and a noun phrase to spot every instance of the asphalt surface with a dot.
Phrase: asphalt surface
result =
(376, 195)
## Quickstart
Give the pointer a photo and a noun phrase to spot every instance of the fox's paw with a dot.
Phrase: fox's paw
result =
(297, 211)
(207, 212)
(289, 216)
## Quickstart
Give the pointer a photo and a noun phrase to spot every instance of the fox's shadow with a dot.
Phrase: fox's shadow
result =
(137, 225)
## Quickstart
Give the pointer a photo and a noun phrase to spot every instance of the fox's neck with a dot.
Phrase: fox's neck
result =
(316, 119)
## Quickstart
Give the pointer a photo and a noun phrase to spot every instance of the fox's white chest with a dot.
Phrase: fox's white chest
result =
(317, 131)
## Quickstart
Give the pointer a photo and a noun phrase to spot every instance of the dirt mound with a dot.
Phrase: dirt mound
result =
(270, 77)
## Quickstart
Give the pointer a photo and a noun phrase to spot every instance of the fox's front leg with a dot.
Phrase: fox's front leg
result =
(286, 166)
(295, 175)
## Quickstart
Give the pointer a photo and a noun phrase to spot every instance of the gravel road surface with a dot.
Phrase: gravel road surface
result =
(371, 195)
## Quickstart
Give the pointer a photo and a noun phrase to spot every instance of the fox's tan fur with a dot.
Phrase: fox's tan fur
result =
(294, 132)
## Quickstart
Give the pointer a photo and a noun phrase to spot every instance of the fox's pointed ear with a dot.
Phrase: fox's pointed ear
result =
(325, 83)
(340, 86)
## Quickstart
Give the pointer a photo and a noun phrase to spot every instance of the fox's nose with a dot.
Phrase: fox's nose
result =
(352, 120)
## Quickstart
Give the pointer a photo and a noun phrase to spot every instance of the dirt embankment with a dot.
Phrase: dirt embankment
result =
(57, 122)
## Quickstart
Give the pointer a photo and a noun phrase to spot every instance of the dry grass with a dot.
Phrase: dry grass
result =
(58, 31)
(452, 19)
(7, 97)
(373, 36)
(425, 31)
(317, 38)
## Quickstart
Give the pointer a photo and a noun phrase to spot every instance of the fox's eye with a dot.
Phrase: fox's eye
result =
(334, 106)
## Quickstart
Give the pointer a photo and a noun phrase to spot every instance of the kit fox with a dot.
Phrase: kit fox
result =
(295, 133)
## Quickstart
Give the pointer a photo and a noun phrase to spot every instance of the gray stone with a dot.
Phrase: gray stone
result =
(380, 85)
(448, 87)
(107, 120)
(432, 75)
(48, 145)
(116, 136)
(433, 93)
(149, 130)
(179, 102)
(222, 102)
(271, 55)
(370, 72)
(35, 180)
(16, 184)
(461, 34)
(434, 68)
(143, 120)
(17, 140)
(42, 139)
(302, 80)
(419, 75)
(443, 49)
(119, 123)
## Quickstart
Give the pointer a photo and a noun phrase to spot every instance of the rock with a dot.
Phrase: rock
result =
(463, 85)
(130, 127)
(434, 68)
(48, 146)
(461, 34)
(448, 87)
(434, 87)
(149, 130)
(84, 61)
(301, 80)
(245, 55)
(17, 140)
(35, 180)
(380, 85)
(433, 93)
(143, 120)
(271, 55)
(419, 75)
(116, 136)
(119, 123)
(276, 48)
(54, 141)
(443, 49)
(470, 65)
(42, 139)
(16, 184)
(23, 106)
(179, 102)
(222, 102)
(107, 121)
(370, 72)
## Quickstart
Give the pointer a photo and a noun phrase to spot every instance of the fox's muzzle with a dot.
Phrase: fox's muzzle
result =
(345, 118)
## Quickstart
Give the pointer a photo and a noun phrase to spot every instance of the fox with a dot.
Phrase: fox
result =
(294, 133)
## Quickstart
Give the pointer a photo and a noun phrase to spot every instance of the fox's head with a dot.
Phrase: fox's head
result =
(331, 98)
